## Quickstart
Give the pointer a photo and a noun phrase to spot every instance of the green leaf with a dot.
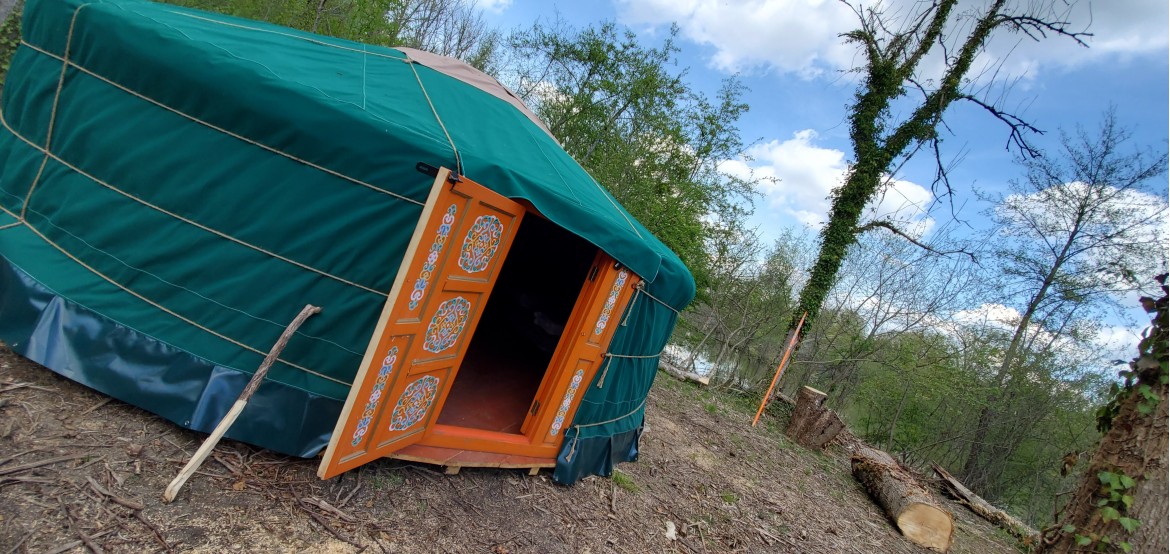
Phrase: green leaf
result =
(1127, 482)
(1068, 528)
(1127, 500)
(1109, 513)
(1083, 540)
(1145, 409)
(1125, 547)
(1107, 478)
(1102, 502)
(1129, 523)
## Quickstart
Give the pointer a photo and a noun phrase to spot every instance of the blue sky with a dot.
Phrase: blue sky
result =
(789, 54)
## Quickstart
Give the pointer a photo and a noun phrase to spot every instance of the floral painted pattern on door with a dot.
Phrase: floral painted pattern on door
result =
(414, 403)
(375, 396)
(446, 325)
(428, 268)
(481, 243)
(610, 301)
(563, 409)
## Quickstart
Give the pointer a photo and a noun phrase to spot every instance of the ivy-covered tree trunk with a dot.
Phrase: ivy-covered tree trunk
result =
(894, 48)
(1121, 502)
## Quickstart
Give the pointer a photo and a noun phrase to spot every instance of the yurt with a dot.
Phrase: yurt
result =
(176, 185)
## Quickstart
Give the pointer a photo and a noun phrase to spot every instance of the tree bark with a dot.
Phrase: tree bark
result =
(1135, 447)
(914, 511)
(812, 424)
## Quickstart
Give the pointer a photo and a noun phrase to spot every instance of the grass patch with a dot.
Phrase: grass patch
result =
(729, 497)
(624, 481)
(391, 480)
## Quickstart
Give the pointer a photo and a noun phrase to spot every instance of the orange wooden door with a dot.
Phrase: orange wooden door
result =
(430, 315)
(596, 317)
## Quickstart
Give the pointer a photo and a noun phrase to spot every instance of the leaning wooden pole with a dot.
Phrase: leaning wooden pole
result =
(254, 383)
(788, 348)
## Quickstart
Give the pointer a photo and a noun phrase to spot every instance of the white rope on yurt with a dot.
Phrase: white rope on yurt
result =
(168, 310)
(423, 88)
(577, 428)
(52, 113)
(79, 171)
(219, 129)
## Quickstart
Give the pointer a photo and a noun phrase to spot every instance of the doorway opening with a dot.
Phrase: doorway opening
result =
(520, 328)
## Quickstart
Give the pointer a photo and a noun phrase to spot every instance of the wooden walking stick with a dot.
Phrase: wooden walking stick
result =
(780, 368)
(212, 440)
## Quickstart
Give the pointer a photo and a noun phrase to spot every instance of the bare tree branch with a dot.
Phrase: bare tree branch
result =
(889, 226)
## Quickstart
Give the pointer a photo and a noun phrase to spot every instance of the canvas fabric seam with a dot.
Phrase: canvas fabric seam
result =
(289, 35)
(193, 323)
(216, 128)
(79, 171)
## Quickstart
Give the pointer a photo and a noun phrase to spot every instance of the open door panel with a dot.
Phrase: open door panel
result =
(438, 296)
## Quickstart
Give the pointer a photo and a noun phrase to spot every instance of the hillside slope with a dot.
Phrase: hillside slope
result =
(724, 486)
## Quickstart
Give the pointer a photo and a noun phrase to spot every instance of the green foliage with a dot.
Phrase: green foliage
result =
(625, 481)
(9, 41)
(1114, 500)
(626, 115)
(1151, 367)
(447, 27)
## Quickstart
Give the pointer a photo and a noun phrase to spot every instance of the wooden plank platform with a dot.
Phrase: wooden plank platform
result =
(453, 459)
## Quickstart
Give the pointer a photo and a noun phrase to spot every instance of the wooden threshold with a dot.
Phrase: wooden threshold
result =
(453, 459)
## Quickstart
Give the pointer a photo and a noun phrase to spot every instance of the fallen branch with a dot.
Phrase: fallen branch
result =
(328, 508)
(132, 504)
(74, 544)
(982, 508)
(45, 462)
(254, 383)
(684, 375)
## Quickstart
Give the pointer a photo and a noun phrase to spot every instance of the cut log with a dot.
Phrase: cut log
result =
(1016, 528)
(812, 424)
(914, 511)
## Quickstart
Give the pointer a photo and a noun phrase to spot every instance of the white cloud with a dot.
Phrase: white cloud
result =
(1117, 343)
(803, 36)
(798, 36)
(798, 177)
(494, 6)
(994, 315)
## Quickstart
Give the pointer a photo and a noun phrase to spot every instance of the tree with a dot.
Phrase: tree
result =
(1076, 230)
(895, 75)
(447, 27)
(630, 119)
(1121, 504)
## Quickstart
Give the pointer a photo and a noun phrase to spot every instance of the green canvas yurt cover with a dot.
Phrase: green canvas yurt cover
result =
(175, 185)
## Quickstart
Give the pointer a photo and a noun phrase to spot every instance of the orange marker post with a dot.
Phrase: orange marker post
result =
(788, 348)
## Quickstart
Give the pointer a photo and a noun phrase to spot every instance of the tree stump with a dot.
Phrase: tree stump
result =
(914, 511)
(812, 424)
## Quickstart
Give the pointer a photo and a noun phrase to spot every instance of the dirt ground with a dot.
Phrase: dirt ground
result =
(82, 472)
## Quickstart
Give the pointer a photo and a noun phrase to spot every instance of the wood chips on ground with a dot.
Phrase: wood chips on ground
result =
(80, 472)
